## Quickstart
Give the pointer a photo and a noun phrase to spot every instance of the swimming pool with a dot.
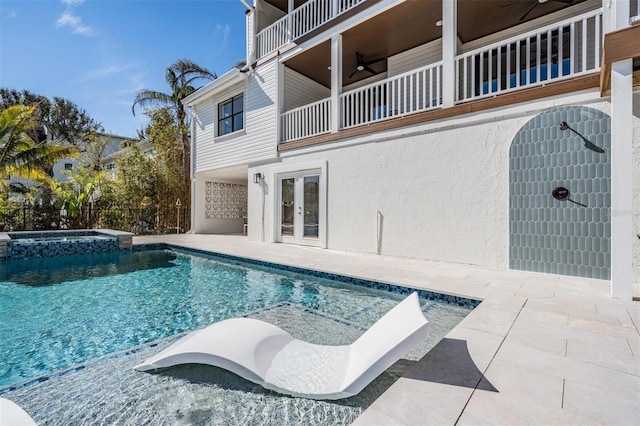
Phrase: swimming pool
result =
(57, 313)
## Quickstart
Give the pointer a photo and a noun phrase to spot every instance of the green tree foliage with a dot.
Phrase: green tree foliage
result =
(20, 155)
(66, 122)
(129, 199)
(164, 136)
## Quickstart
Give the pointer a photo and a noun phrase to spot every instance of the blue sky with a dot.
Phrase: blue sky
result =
(99, 53)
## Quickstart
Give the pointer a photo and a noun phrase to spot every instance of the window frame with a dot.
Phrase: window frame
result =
(233, 116)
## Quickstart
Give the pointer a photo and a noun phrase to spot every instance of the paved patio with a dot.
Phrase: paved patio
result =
(540, 349)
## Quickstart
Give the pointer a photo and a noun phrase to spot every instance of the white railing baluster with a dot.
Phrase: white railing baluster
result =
(481, 70)
(490, 70)
(596, 39)
(508, 79)
(572, 48)
(585, 30)
(538, 58)
(549, 55)
(560, 51)
(518, 69)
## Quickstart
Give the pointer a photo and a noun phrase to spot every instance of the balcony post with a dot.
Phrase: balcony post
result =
(621, 165)
(335, 6)
(336, 81)
(449, 51)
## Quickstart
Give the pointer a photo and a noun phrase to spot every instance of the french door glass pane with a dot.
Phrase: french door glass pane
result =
(311, 205)
(287, 206)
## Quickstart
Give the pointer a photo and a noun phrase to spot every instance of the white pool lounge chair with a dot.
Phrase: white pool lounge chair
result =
(12, 415)
(271, 357)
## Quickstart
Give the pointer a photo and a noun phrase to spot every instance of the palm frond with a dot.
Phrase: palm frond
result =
(146, 98)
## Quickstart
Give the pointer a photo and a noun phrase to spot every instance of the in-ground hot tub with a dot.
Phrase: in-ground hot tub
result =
(23, 245)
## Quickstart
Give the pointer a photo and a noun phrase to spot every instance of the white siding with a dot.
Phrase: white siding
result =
(417, 57)
(267, 14)
(300, 90)
(258, 139)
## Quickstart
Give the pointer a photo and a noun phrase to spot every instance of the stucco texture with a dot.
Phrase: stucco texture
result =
(442, 191)
(636, 192)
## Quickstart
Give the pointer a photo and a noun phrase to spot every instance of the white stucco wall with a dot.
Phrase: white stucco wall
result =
(441, 187)
(636, 192)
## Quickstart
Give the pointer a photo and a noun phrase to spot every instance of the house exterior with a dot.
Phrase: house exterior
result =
(494, 133)
(112, 144)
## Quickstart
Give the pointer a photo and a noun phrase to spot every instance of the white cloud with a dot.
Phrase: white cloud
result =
(105, 71)
(68, 19)
(223, 31)
(72, 2)
(11, 14)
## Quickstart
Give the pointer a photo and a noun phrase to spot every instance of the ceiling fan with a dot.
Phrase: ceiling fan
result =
(536, 3)
(362, 65)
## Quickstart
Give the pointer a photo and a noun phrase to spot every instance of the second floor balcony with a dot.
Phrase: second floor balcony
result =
(394, 65)
(279, 22)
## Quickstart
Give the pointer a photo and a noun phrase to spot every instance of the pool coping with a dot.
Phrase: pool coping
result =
(342, 278)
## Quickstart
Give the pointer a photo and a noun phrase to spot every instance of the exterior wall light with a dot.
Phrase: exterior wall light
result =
(257, 178)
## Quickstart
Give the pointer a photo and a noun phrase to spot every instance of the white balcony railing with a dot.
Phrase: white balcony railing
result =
(301, 21)
(309, 120)
(271, 38)
(310, 16)
(408, 93)
(562, 50)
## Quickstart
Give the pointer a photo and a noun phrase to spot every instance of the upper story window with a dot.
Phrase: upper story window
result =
(111, 166)
(68, 166)
(231, 115)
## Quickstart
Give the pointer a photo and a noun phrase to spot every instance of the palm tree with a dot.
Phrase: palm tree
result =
(20, 155)
(180, 76)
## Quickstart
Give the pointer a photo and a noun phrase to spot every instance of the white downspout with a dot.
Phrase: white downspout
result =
(192, 172)
(251, 55)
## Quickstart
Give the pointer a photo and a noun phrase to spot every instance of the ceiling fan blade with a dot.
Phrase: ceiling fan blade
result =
(535, 3)
(353, 73)
(371, 70)
(373, 61)
(564, 1)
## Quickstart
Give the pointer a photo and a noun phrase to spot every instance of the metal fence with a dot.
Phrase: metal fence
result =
(150, 220)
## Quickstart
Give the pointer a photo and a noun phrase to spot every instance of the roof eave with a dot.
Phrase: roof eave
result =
(230, 78)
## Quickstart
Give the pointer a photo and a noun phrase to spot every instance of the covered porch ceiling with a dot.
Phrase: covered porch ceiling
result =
(411, 24)
(234, 174)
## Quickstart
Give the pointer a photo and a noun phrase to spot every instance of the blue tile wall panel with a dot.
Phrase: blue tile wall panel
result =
(570, 237)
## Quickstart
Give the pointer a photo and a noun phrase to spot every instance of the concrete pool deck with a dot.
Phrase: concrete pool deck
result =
(540, 349)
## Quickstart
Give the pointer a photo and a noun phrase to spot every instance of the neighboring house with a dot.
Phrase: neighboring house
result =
(461, 131)
(111, 160)
(113, 143)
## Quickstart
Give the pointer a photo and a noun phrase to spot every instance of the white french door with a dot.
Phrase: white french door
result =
(299, 208)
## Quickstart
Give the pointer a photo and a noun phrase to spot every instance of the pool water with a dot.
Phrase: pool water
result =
(57, 313)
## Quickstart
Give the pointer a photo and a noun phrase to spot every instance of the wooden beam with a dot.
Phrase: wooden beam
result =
(618, 46)
(622, 44)
(551, 89)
